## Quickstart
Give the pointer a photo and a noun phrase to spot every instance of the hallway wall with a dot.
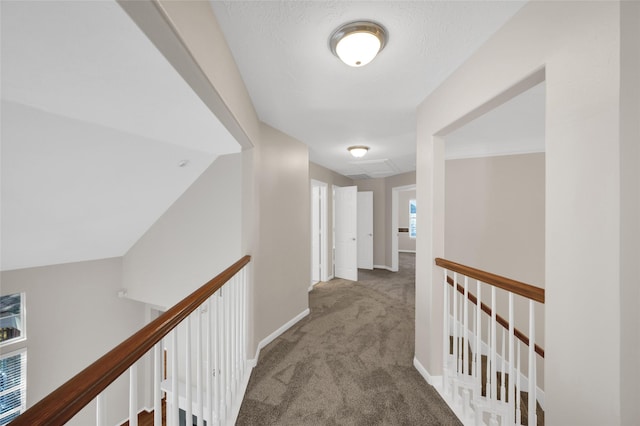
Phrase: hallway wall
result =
(195, 45)
(74, 316)
(578, 45)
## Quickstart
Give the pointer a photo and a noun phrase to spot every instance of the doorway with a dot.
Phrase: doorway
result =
(319, 248)
(395, 205)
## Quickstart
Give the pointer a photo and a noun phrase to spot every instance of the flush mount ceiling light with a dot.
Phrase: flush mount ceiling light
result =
(357, 43)
(358, 150)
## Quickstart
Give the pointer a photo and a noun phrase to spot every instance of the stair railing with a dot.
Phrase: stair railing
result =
(216, 315)
(490, 396)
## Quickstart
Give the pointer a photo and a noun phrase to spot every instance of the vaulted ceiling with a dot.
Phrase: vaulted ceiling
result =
(97, 125)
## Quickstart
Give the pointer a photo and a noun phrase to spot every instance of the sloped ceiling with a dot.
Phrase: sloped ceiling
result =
(95, 126)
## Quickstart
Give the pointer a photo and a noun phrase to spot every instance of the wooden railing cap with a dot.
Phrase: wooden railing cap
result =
(526, 290)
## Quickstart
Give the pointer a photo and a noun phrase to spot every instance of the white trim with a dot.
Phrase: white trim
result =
(493, 154)
(313, 285)
(235, 410)
(406, 251)
(273, 336)
(388, 268)
(485, 350)
(435, 381)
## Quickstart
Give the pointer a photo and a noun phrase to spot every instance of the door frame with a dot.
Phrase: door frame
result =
(324, 249)
(394, 222)
(368, 239)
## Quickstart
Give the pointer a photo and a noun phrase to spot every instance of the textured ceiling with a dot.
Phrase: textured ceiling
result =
(94, 124)
(299, 87)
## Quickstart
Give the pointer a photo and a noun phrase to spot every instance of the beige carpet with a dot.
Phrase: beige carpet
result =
(350, 362)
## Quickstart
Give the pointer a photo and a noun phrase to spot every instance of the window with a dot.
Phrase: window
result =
(13, 365)
(13, 385)
(412, 218)
(12, 319)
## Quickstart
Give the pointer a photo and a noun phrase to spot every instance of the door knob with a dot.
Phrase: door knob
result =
(353, 239)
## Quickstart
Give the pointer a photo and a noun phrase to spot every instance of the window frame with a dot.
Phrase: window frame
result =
(22, 386)
(23, 322)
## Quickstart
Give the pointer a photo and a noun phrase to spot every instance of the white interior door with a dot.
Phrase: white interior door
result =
(365, 230)
(345, 232)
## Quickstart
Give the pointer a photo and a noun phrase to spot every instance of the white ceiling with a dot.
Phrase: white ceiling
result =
(299, 87)
(95, 120)
(515, 127)
(94, 124)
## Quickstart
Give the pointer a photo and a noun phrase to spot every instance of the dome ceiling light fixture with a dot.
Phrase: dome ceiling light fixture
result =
(358, 150)
(357, 43)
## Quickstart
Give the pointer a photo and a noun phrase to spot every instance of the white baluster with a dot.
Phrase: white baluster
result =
(488, 385)
(157, 384)
(100, 410)
(445, 335)
(220, 357)
(503, 395)
(188, 409)
(199, 390)
(133, 395)
(234, 334)
(213, 370)
(494, 343)
(174, 418)
(518, 395)
(479, 339)
(465, 339)
(533, 396)
(511, 390)
(455, 338)
(243, 330)
(227, 352)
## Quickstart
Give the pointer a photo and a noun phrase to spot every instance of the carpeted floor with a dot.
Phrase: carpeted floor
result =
(350, 362)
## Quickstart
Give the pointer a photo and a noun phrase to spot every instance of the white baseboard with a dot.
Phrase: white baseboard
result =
(313, 285)
(273, 336)
(406, 251)
(388, 268)
(435, 381)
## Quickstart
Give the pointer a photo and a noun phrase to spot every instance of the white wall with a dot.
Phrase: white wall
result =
(198, 237)
(578, 45)
(382, 200)
(494, 209)
(74, 316)
(377, 186)
(275, 214)
(283, 247)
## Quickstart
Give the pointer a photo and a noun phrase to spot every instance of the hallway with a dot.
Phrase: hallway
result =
(350, 362)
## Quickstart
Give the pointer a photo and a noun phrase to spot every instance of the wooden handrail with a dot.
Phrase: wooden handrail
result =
(500, 320)
(65, 402)
(516, 287)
